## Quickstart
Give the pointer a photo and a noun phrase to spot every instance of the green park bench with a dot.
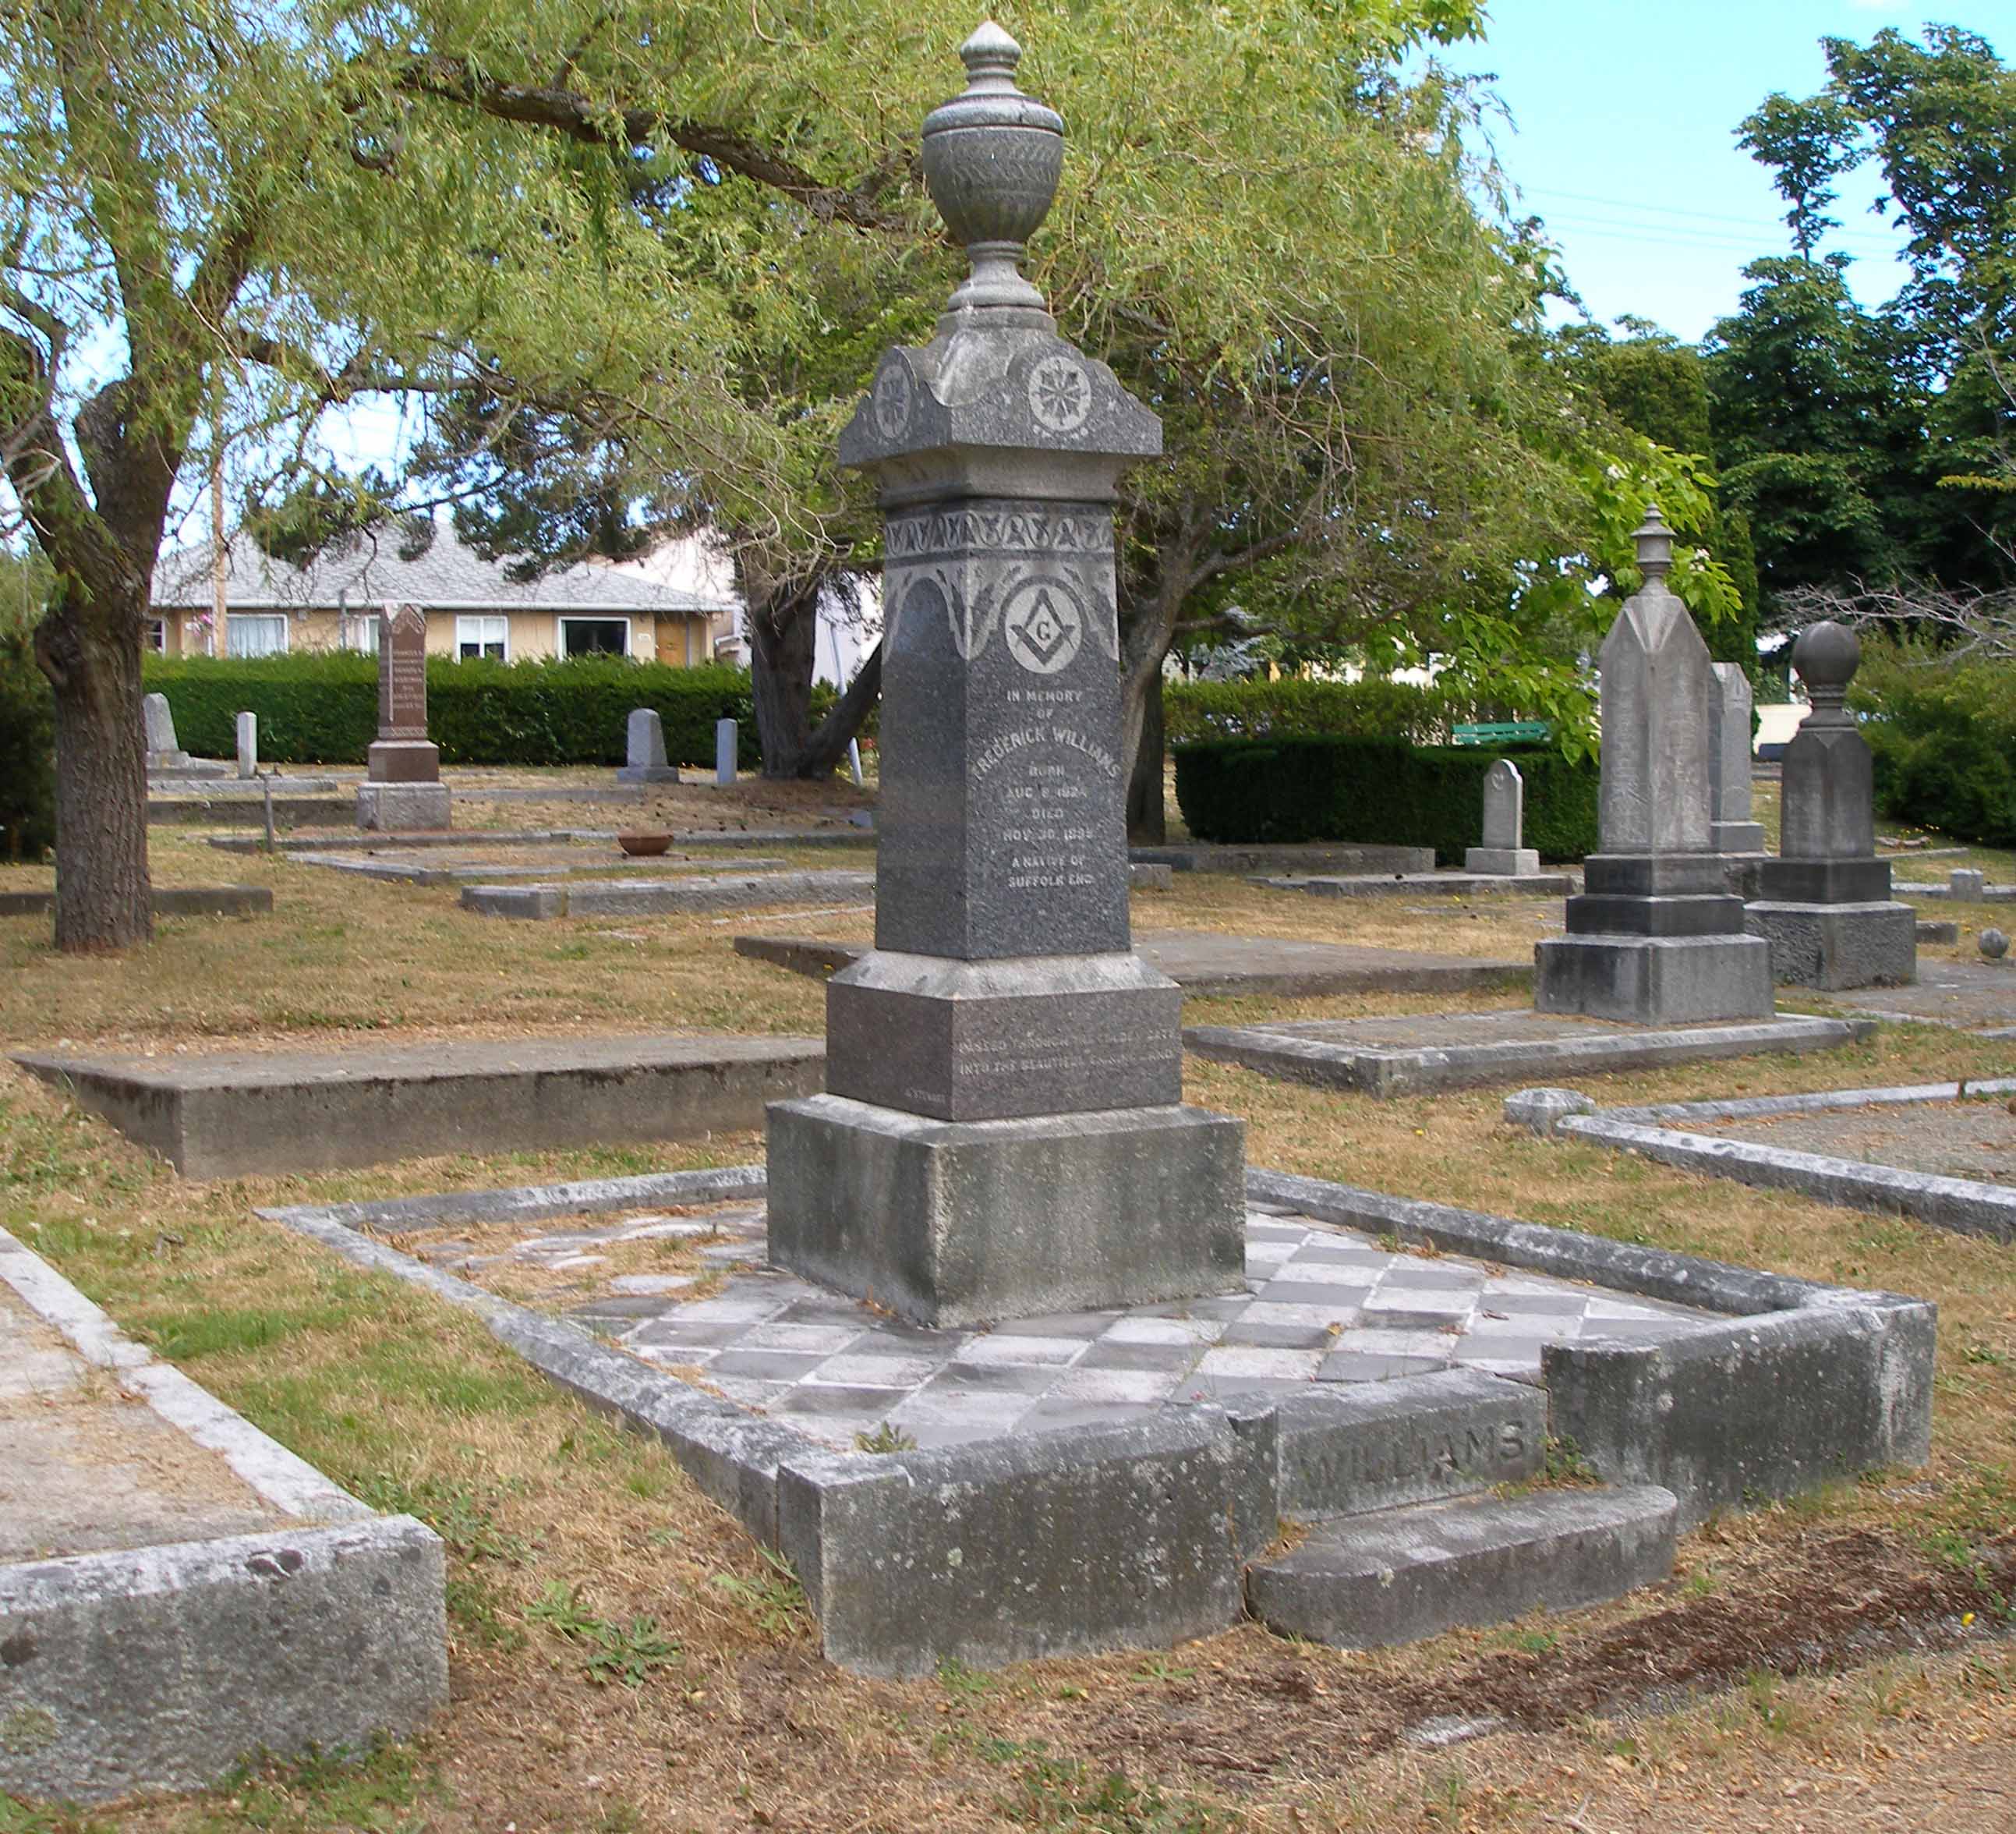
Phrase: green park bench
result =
(1501, 732)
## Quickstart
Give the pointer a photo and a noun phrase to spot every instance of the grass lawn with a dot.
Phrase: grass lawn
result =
(1820, 1664)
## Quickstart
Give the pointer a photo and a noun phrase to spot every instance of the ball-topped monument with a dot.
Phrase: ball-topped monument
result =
(1003, 1133)
(1825, 901)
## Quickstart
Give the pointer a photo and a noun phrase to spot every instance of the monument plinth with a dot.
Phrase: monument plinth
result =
(403, 790)
(1825, 901)
(1003, 1134)
(1656, 938)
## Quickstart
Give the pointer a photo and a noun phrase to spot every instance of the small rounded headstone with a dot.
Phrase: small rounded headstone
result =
(1994, 944)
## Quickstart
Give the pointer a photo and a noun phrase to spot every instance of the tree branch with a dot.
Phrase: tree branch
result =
(581, 118)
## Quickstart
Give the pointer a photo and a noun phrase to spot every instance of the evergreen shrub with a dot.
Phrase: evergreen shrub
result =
(1192, 711)
(1335, 786)
(1944, 736)
(27, 747)
(321, 707)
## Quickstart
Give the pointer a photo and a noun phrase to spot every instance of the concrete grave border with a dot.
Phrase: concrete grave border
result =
(1384, 1070)
(1658, 1131)
(913, 1558)
(160, 1667)
(637, 897)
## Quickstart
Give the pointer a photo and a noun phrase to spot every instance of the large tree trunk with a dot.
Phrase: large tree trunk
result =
(783, 638)
(91, 656)
(1148, 605)
(1147, 816)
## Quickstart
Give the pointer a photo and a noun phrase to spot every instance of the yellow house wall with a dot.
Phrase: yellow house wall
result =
(678, 640)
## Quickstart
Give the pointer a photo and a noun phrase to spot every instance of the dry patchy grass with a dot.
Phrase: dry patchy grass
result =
(578, 1552)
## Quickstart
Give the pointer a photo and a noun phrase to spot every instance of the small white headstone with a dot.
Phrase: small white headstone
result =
(160, 724)
(1504, 805)
(248, 744)
(645, 746)
(727, 744)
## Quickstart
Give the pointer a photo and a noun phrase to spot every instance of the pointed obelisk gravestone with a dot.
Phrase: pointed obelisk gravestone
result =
(1002, 1135)
(1503, 850)
(1736, 837)
(644, 744)
(1655, 938)
(403, 791)
(1825, 901)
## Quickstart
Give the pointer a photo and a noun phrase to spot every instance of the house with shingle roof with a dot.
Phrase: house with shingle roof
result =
(472, 607)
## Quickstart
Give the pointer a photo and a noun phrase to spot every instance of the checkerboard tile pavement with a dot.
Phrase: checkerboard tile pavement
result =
(1322, 1303)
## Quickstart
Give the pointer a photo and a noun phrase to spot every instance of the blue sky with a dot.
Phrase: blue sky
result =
(1623, 137)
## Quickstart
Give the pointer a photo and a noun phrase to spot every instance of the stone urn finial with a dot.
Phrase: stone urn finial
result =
(992, 158)
(1655, 546)
(1827, 656)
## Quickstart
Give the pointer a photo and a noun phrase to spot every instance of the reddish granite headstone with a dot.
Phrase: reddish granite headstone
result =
(402, 754)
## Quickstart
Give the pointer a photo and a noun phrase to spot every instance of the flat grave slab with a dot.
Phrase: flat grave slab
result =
(456, 870)
(229, 808)
(1311, 856)
(1970, 996)
(177, 1591)
(1939, 1151)
(168, 901)
(1387, 1355)
(1204, 962)
(1403, 1054)
(1439, 884)
(636, 896)
(229, 1114)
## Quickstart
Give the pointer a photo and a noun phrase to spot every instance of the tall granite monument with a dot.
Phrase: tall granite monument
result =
(403, 790)
(1825, 901)
(1736, 835)
(1003, 1132)
(1656, 937)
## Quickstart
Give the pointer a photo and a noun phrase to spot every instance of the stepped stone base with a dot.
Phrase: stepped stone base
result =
(1402, 1574)
(1838, 945)
(953, 1224)
(1654, 980)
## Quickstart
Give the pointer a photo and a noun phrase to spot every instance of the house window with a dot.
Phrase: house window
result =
(359, 631)
(154, 635)
(263, 636)
(482, 637)
(595, 636)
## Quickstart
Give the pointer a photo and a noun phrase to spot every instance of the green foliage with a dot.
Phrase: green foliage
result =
(1377, 790)
(27, 742)
(774, 1600)
(1257, 709)
(321, 707)
(611, 1651)
(1945, 743)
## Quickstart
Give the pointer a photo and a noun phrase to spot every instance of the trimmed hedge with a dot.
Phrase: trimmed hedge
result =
(27, 748)
(1944, 737)
(1378, 791)
(1197, 710)
(321, 707)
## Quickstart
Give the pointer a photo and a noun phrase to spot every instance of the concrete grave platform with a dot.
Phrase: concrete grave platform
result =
(1400, 1055)
(400, 872)
(230, 809)
(636, 896)
(1972, 996)
(229, 1114)
(1202, 962)
(177, 1591)
(1938, 1151)
(1114, 1479)
(168, 901)
(1314, 856)
(1436, 885)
